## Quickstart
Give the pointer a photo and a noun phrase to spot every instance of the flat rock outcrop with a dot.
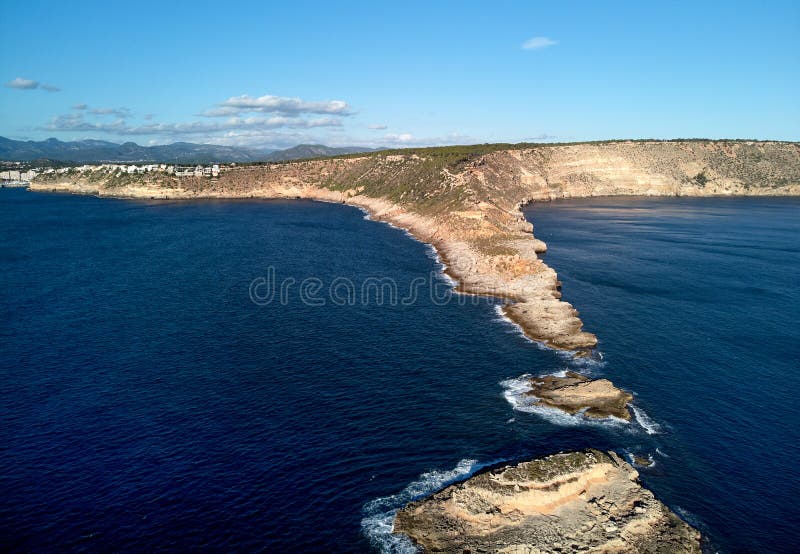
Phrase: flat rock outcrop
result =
(588, 501)
(575, 393)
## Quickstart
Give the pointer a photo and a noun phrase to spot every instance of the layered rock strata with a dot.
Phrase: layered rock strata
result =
(587, 501)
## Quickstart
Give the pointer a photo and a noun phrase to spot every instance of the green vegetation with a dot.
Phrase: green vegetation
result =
(466, 152)
(701, 179)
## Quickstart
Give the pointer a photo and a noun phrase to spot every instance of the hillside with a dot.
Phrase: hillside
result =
(306, 151)
(466, 201)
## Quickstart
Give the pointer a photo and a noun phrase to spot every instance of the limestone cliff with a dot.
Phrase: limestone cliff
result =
(466, 201)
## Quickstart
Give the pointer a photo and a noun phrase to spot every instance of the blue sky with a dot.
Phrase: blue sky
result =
(402, 73)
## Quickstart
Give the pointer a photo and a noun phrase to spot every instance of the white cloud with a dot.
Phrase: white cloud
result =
(267, 121)
(77, 123)
(23, 84)
(29, 84)
(537, 43)
(277, 104)
(118, 112)
(402, 138)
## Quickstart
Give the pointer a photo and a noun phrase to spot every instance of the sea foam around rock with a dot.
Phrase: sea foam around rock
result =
(515, 392)
(378, 521)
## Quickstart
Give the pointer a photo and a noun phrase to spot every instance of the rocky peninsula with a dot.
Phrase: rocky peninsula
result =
(466, 201)
(574, 393)
(588, 501)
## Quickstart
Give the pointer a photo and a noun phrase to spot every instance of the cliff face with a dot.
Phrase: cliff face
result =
(693, 168)
(466, 201)
(574, 502)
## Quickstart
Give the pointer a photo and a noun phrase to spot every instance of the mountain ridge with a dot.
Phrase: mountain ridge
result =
(94, 151)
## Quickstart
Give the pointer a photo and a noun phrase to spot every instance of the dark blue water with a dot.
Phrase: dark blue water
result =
(149, 404)
(695, 303)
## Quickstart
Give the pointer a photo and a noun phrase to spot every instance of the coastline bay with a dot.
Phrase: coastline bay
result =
(380, 396)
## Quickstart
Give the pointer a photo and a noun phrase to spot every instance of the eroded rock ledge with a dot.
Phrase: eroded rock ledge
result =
(588, 501)
(575, 393)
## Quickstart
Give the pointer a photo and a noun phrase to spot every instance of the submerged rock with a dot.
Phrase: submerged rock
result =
(587, 501)
(575, 392)
(642, 460)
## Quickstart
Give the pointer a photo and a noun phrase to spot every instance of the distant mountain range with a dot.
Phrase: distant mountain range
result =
(92, 151)
(305, 151)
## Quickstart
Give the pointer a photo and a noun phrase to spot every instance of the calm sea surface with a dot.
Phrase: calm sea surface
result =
(148, 403)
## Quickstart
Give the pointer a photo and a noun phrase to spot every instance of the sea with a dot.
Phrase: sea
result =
(282, 376)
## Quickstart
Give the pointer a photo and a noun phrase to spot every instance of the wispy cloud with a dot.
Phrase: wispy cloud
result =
(237, 105)
(29, 84)
(118, 112)
(406, 140)
(77, 123)
(537, 43)
(266, 121)
(543, 137)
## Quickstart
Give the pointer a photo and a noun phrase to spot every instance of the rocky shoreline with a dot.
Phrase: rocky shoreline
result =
(588, 501)
(522, 278)
(467, 204)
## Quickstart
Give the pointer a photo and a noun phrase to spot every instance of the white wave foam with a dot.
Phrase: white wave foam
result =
(515, 393)
(645, 422)
(378, 521)
(632, 459)
(516, 329)
(588, 365)
(585, 364)
(689, 518)
(662, 453)
(441, 267)
(430, 250)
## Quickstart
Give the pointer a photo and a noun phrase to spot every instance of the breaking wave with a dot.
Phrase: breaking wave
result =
(631, 457)
(584, 364)
(645, 422)
(378, 521)
(515, 392)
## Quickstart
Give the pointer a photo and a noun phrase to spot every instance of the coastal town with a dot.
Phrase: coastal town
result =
(23, 177)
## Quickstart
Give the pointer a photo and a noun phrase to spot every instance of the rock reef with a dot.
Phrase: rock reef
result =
(575, 393)
(588, 501)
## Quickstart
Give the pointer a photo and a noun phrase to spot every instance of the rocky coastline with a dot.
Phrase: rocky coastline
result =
(467, 203)
(589, 501)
